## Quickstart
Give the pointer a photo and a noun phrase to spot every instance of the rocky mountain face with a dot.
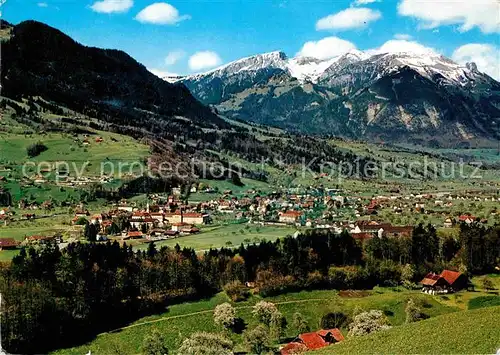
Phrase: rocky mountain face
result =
(40, 61)
(424, 98)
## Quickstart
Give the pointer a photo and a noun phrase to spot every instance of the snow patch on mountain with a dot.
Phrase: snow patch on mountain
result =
(272, 60)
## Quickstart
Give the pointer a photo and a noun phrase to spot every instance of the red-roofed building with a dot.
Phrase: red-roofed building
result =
(447, 281)
(142, 218)
(133, 235)
(313, 341)
(457, 280)
(434, 282)
(331, 335)
(467, 219)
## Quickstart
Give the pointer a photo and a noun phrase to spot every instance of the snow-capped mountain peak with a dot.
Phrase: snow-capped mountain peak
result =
(357, 94)
(308, 69)
(273, 60)
(428, 65)
(302, 68)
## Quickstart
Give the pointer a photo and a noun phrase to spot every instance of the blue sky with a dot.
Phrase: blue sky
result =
(194, 35)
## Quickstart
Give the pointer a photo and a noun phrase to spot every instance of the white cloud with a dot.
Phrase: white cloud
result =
(43, 4)
(364, 2)
(174, 56)
(468, 13)
(326, 48)
(161, 73)
(160, 13)
(486, 57)
(403, 36)
(402, 46)
(204, 60)
(110, 6)
(348, 19)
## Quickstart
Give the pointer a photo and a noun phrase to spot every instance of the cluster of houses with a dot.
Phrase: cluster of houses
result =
(153, 223)
(433, 204)
(169, 217)
(369, 229)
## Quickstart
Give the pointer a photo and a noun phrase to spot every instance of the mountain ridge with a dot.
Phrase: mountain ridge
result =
(39, 60)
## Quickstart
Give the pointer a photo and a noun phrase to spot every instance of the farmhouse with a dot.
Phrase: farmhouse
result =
(290, 217)
(313, 341)
(457, 280)
(8, 243)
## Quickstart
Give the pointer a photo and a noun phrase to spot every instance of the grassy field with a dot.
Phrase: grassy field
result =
(469, 332)
(219, 236)
(464, 299)
(62, 147)
(18, 233)
(223, 185)
(115, 154)
(7, 255)
(181, 320)
(20, 230)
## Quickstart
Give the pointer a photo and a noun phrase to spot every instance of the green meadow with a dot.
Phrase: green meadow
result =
(179, 321)
(227, 235)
